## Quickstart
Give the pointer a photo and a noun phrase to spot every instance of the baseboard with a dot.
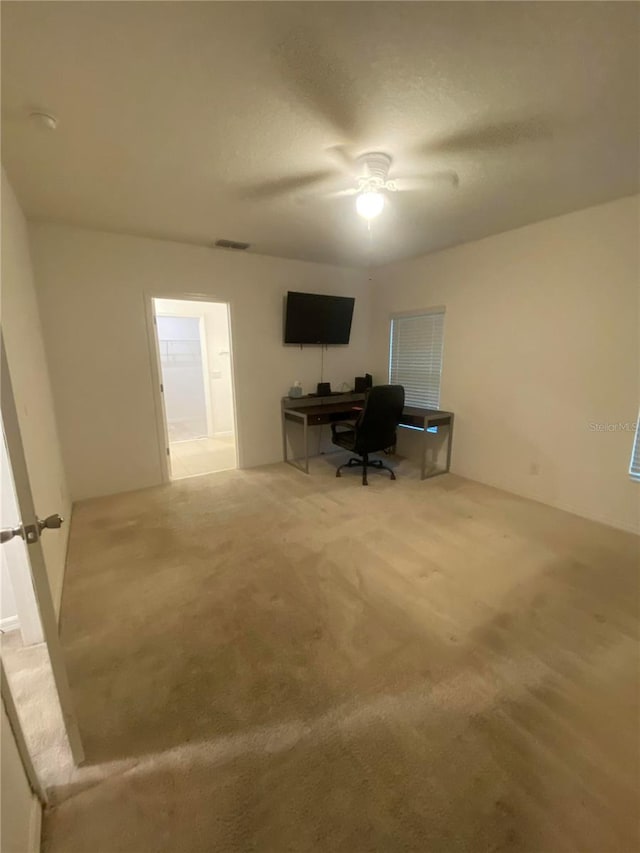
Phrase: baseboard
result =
(565, 507)
(35, 825)
(9, 623)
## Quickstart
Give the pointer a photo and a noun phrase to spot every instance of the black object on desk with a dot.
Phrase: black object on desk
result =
(362, 383)
(323, 389)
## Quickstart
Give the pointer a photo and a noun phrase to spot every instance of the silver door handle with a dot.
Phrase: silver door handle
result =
(9, 533)
(51, 522)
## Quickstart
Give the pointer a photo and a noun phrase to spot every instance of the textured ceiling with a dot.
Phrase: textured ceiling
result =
(190, 121)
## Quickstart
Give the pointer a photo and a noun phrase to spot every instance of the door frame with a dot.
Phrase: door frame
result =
(35, 556)
(156, 372)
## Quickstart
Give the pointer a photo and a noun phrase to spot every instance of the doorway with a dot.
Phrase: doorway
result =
(196, 382)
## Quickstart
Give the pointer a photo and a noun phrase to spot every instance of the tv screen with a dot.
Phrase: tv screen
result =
(311, 318)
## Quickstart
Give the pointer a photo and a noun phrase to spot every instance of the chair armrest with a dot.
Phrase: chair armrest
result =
(350, 426)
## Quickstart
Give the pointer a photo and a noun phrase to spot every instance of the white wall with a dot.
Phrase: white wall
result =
(20, 811)
(91, 289)
(185, 380)
(8, 609)
(541, 340)
(30, 378)
(219, 354)
(216, 327)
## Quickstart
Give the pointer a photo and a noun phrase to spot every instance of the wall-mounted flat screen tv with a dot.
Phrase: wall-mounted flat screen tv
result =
(311, 318)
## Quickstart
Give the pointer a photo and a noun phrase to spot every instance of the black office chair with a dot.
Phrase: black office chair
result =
(373, 431)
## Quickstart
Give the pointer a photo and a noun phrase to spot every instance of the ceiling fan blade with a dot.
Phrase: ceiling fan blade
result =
(319, 81)
(343, 159)
(305, 198)
(500, 135)
(340, 193)
(285, 186)
(446, 178)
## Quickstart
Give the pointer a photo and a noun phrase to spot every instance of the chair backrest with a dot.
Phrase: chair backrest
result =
(376, 426)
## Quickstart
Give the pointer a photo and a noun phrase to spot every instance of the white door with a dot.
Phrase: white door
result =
(21, 601)
(29, 530)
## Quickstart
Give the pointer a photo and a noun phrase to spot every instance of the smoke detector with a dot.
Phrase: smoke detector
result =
(45, 120)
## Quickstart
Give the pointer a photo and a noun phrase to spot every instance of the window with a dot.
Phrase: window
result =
(634, 468)
(415, 356)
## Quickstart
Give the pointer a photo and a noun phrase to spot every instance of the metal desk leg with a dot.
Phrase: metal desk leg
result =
(284, 438)
(423, 469)
(301, 419)
(449, 443)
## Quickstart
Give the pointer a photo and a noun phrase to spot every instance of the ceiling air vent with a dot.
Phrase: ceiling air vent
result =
(232, 244)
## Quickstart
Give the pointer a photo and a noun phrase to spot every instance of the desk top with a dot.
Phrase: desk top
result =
(327, 405)
(316, 405)
(329, 408)
(418, 412)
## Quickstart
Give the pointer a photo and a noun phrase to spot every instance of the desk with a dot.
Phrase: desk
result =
(315, 411)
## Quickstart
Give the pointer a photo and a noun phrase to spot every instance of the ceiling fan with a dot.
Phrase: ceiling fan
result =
(370, 181)
(321, 83)
(366, 177)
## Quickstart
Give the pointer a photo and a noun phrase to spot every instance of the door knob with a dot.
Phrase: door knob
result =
(8, 533)
(29, 532)
(51, 522)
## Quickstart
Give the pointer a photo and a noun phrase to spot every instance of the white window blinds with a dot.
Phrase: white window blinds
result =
(415, 358)
(634, 468)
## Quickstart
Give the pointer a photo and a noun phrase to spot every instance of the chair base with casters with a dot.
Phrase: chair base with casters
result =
(365, 463)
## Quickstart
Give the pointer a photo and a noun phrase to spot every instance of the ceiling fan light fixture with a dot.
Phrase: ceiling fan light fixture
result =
(369, 204)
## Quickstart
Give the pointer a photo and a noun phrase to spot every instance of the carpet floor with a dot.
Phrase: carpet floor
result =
(32, 686)
(264, 661)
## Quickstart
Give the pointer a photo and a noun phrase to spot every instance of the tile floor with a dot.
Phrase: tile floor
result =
(202, 456)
